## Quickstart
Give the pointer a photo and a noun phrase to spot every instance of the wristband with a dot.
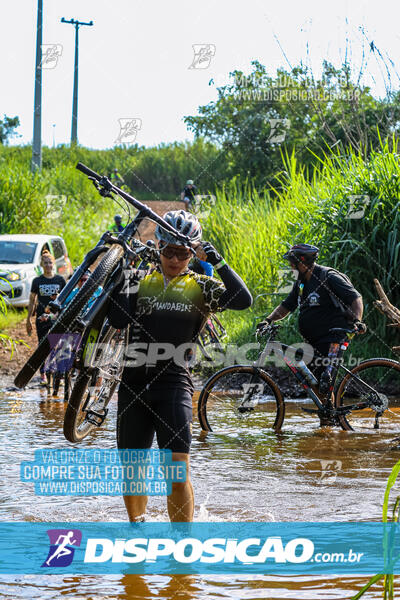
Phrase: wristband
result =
(219, 265)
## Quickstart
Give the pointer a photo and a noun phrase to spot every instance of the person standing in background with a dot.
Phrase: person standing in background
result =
(44, 288)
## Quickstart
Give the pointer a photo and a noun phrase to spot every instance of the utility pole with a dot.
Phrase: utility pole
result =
(74, 126)
(37, 109)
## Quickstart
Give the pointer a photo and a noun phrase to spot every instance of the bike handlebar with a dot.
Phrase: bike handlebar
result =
(84, 169)
(142, 208)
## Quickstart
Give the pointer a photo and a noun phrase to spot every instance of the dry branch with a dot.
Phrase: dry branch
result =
(385, 307)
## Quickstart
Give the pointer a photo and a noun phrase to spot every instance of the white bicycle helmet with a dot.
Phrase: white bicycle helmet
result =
(182, 221)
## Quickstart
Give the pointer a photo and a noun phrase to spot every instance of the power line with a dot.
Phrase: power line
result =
(74, 126)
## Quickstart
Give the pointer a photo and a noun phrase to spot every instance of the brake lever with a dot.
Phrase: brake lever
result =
(103, 186)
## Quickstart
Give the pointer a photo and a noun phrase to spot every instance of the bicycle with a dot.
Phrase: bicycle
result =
(212, 333)
(243, 396)
(98, 360)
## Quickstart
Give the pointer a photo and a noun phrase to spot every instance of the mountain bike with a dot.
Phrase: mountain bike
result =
(212, 333)
(364, 398)
(98, 359)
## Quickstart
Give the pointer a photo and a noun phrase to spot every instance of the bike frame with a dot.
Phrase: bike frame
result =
(124, 238)
(305, 384)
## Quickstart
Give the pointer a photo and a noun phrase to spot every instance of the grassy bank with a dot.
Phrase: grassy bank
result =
(349, 208)
(12, 318)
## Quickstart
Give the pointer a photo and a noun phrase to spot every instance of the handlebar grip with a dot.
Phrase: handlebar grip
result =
(84, 169)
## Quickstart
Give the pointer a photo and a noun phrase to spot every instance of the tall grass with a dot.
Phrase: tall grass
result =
(156, 173)
(253, 231)
(56, 201)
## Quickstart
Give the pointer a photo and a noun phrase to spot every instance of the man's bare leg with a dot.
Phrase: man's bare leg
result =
(181, 501)
(136, 507)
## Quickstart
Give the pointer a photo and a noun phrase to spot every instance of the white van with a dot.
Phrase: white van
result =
(20, 263)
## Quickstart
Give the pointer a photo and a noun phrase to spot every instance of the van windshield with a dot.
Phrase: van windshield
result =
(16, 253)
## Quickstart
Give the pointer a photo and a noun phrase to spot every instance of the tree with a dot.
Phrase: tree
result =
(257, 116)
(7, 128)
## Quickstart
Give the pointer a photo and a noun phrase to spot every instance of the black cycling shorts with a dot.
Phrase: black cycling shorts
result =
(144, 412)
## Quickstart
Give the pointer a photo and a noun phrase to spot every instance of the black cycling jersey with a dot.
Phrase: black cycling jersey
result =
(317, 312)
(171, 315)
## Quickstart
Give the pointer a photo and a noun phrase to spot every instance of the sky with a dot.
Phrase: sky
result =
(136, 62)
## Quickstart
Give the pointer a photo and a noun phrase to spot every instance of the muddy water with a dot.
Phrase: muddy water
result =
(304, 474)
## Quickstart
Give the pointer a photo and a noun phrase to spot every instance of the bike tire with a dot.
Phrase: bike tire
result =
(65, 321)
(76, 426)
(75, 407)
(383, 375)
(217, 406)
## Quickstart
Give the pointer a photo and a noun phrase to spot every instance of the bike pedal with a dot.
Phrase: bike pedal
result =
(244, 409)
(96, 418)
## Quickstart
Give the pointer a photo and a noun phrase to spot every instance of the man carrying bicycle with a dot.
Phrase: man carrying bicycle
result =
(165, 313)
(326, 299)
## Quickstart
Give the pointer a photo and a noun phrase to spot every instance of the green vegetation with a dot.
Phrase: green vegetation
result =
(7, 128)
(256, 115)
(388, 579)
(11, 318)
(252, 231)
(348, 205)
(157, 173)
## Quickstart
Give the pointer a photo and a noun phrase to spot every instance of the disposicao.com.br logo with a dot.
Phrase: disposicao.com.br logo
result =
(211, 548)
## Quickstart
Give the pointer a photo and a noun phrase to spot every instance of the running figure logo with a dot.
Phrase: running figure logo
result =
(61, 551)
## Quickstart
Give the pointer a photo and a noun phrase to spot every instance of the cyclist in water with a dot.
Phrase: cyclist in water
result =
(167, 310)
(326, 299)
(188, 194)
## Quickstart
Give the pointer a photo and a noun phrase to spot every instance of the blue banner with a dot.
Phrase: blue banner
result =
(214, 548)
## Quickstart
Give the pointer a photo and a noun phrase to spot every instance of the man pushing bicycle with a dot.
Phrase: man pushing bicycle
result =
(326, 299)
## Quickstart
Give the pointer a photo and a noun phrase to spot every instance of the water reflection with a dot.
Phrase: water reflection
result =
(304, 473)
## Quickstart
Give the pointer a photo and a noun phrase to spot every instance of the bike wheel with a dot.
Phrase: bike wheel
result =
(94, 387)
(65, 321)
(240, 398)
(383, 376)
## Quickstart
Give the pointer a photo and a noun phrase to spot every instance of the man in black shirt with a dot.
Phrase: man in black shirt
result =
(188, 194)
(44, 288)
(325, 300)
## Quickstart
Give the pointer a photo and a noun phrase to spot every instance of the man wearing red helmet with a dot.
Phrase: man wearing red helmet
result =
(326, 299)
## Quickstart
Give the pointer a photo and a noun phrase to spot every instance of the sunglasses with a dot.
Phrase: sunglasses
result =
(180, 254)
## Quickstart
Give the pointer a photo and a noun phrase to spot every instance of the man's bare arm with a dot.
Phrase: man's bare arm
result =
(31, 308)
(279, 313)
(356, 309)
